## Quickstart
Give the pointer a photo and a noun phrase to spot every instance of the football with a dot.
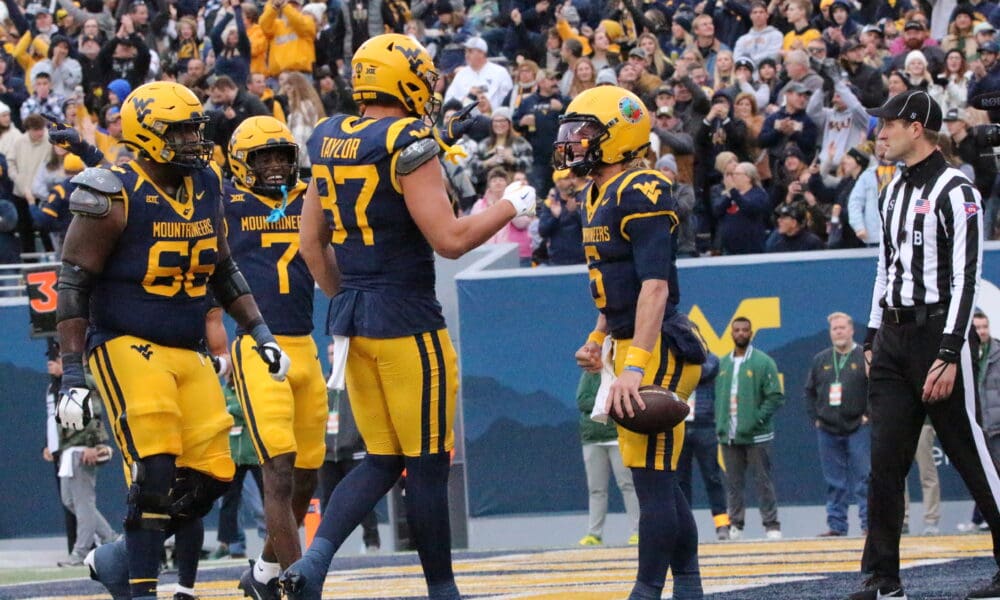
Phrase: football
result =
(664, 410)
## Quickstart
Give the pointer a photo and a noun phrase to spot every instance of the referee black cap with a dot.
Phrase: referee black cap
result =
(915, 106)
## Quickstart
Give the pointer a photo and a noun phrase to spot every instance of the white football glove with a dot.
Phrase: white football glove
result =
(73, 411)
(522, 196)
(277, 361)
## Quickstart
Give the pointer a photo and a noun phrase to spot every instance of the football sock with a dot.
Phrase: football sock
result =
(684, 562)
(657, 495)
(351, 500)
(264, 571)
(145, 546)
(188, 538)
(427, 516)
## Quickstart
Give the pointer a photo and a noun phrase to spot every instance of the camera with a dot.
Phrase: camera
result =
(986, 136)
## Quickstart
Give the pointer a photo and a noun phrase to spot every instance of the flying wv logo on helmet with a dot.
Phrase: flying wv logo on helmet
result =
(412, 56)
(142, 109)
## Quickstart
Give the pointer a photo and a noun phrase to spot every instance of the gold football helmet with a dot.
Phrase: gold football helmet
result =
(166, 122)
(256, 135)
(603, 125)
(395, 66)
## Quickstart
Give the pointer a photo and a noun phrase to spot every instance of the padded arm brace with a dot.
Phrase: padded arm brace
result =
(74, 288)
(228, 283)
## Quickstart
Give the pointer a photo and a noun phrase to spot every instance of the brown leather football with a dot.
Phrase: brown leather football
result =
(664, 411)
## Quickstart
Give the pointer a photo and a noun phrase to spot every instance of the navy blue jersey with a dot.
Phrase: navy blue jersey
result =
(268, 256)
(154, 282)
(628, 238)
(387, 265)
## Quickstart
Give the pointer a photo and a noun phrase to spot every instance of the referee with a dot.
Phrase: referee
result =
(925, 292)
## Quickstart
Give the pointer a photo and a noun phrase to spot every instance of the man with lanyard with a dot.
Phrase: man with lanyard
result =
(925, 289)
(837, 403)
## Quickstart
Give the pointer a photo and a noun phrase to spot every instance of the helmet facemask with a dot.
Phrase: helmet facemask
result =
(578, 144)
(271, 168)
(180, 146)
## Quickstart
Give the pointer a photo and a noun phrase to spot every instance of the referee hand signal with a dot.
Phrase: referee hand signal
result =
(940, 381)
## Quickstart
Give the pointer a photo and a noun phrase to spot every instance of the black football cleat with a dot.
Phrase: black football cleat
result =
(877, 588)
(990, 591)
(257, 590)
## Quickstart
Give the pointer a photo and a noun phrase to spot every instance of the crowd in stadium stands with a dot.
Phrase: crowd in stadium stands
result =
(758, 105)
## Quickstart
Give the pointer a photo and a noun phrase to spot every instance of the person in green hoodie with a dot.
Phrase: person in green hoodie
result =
(601, 457)
(747, 394)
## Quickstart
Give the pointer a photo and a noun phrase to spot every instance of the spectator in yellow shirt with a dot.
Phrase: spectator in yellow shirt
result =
(798, 13)
(258, 41)
(292, 37)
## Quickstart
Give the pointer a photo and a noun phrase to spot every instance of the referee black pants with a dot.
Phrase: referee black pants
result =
(902, 355)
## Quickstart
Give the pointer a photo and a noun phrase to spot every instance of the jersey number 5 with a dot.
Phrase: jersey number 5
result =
(347, 177)
(596, 279)
(168, 279)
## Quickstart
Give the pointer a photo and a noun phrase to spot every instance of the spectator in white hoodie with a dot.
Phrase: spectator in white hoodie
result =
(9, 133)
(762, 41)
(842, 126)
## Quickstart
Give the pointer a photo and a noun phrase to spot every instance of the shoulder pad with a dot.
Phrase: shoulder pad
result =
(99, 180)
(415, 155)
(89, 203)
(94, 189)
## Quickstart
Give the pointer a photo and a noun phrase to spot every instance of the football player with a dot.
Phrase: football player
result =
(287, 419)
(629, 220)
(378, 195)
(144, 249)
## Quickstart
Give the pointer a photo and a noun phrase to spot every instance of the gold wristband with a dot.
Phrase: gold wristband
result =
(597, 337)
(637, 357)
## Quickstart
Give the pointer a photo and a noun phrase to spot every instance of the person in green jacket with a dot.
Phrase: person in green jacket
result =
(232, 540)
(747, 394)
(601, 456)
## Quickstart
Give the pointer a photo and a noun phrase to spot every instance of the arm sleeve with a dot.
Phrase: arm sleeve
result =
(815, 109)
(858, 113)
(878, 292)
(348, 33)
(649, 216)
(856, 202)
(962, 210)
(679, 142)
(546, 222)
(807, 138)
(303, 25)
(810, 393)
(243, 42)
(699, 101)
(586, 391)
(17, 17)
(267, 19)
(769, 136)
(216, 34)
(774, 397)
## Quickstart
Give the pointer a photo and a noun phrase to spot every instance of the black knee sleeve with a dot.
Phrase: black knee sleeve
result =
(149, 495)
(194, 493)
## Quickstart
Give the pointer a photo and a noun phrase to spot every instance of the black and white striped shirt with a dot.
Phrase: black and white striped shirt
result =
(932, 243)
